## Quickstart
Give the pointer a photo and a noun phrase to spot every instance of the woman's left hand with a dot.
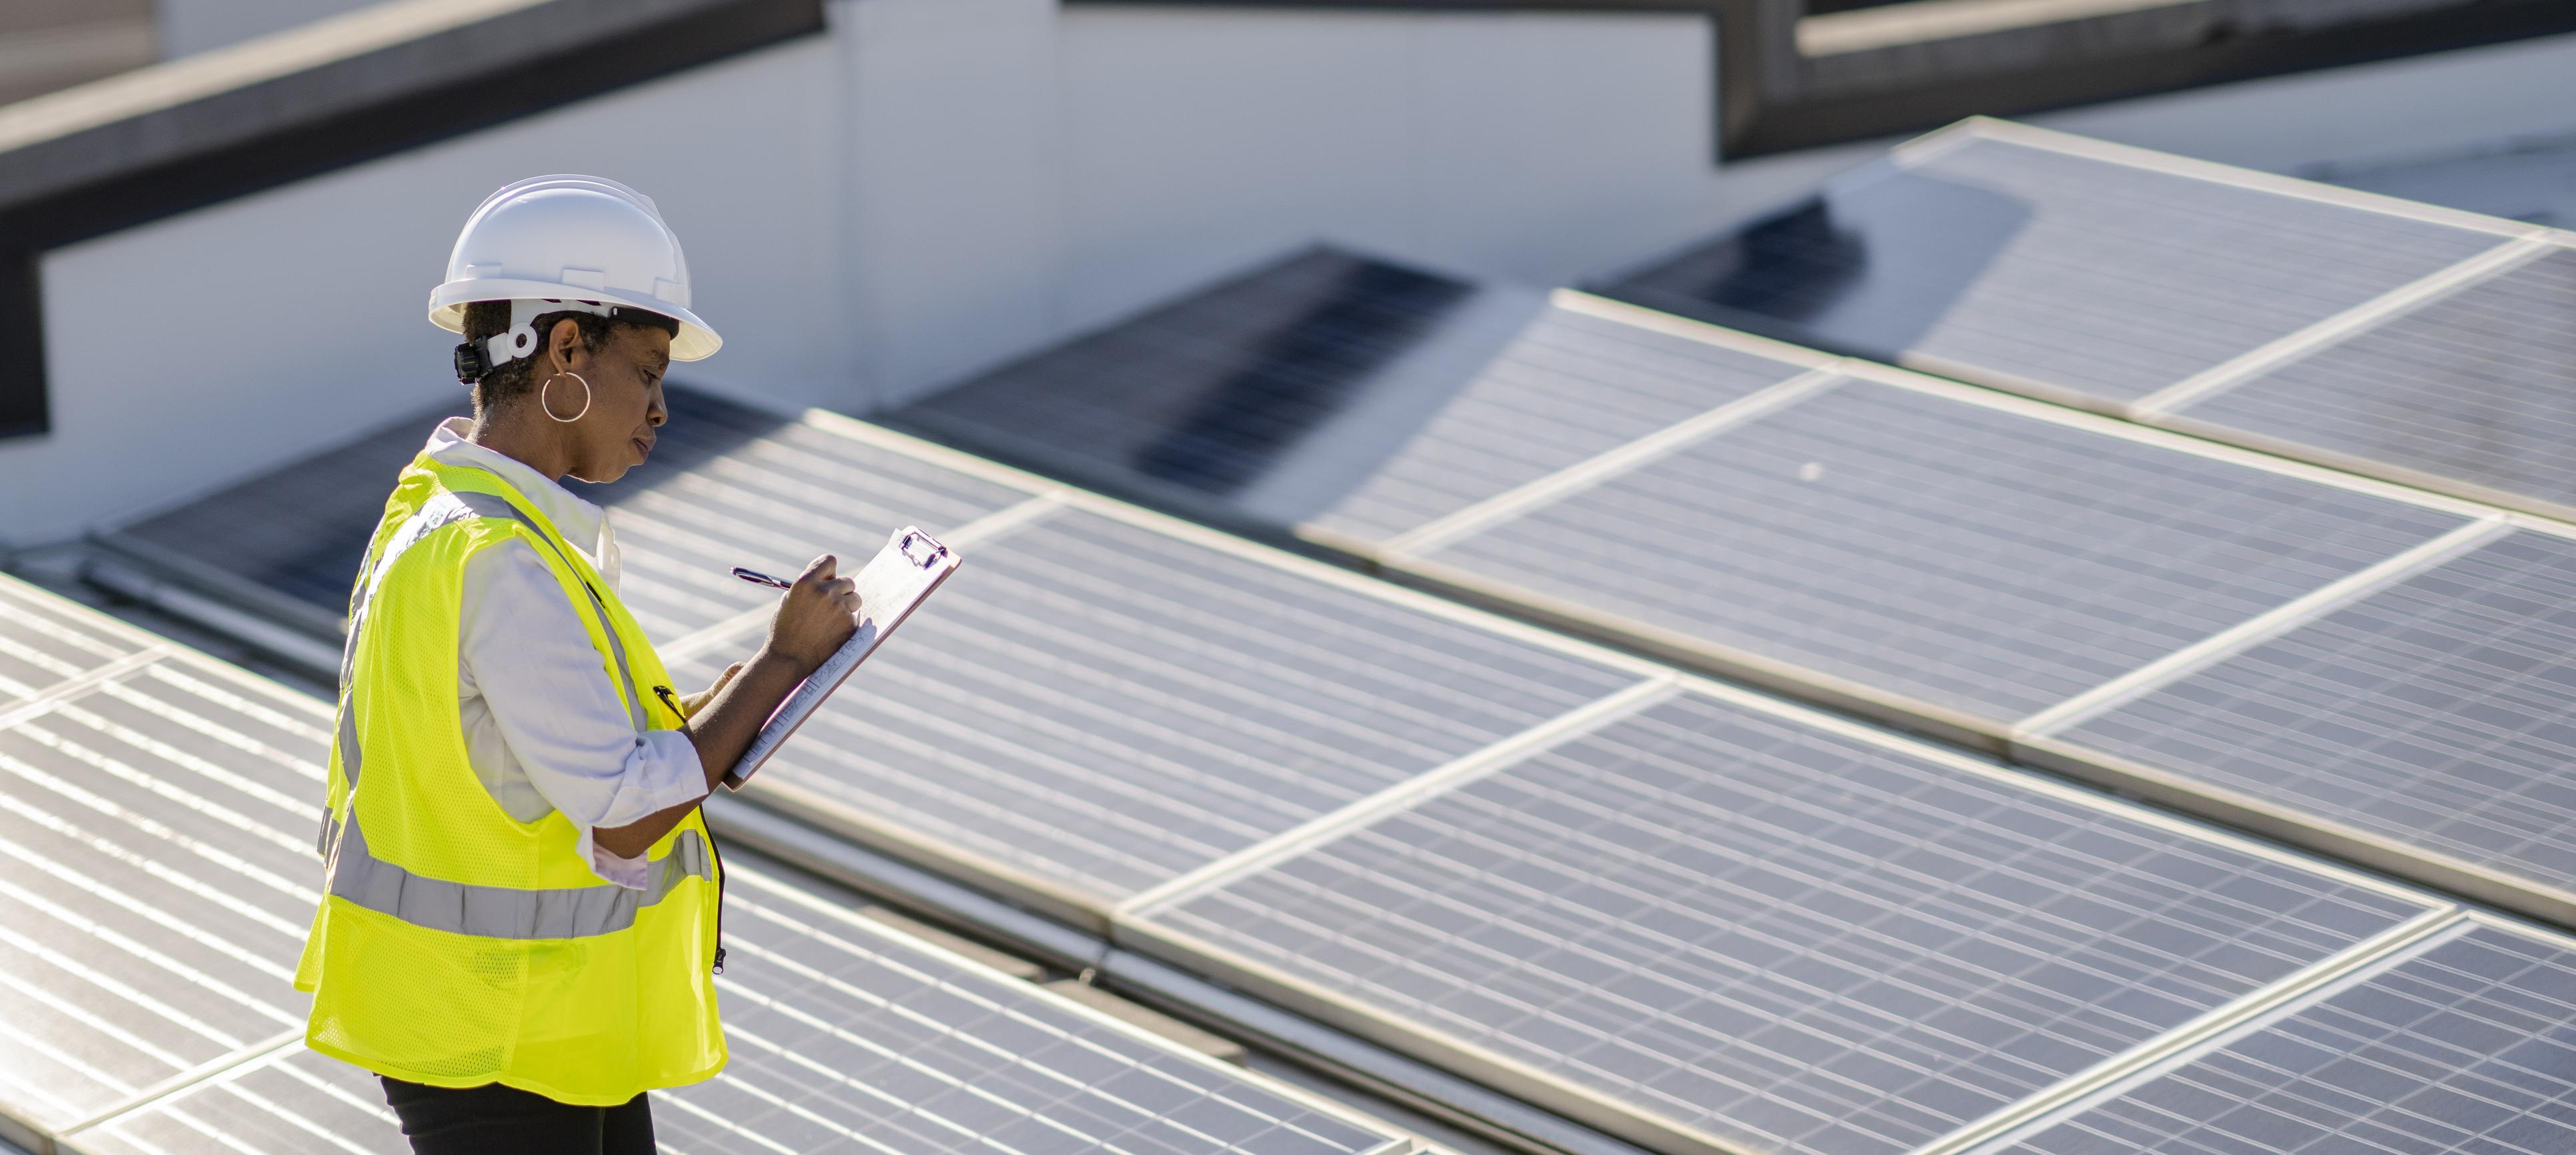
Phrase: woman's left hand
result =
(690, 704)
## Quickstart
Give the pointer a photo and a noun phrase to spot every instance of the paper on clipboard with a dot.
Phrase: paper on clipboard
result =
(893, 582)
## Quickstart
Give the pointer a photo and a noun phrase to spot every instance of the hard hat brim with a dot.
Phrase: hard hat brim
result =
(694, 342)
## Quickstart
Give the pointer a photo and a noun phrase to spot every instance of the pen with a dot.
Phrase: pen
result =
(758, 578)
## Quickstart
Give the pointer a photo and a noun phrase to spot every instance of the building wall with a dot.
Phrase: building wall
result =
(939, 185)
(935, 186)
(190, 26)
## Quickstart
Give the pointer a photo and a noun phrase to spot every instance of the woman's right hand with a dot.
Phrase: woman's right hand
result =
(815, 616)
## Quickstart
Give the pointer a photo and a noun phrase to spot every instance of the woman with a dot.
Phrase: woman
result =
(523, 907)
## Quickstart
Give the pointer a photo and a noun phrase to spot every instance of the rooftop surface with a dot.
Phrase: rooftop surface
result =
(1706, 792)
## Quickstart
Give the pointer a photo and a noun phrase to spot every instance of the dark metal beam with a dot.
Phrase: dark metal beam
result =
(1767, 100)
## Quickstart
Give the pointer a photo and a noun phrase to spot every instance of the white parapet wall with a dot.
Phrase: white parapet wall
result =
(191, 26)
(933, 187)
(936, 186)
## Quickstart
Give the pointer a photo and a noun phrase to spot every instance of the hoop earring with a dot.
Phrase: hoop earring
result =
(550, 383)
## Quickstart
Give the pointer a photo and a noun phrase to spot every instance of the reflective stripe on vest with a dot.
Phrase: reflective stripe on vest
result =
(507, 911)
(360, 877)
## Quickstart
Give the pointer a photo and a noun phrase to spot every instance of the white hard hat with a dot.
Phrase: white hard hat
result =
(555, 243)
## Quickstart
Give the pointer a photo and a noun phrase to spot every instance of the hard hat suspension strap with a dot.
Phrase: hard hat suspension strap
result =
(477, 359)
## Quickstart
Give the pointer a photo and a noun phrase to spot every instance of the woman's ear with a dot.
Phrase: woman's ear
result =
(564, 342)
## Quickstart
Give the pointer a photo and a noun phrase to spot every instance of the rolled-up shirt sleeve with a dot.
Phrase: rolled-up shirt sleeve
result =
(526, 653)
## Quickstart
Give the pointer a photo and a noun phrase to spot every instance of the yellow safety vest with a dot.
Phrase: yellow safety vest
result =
(457, 946)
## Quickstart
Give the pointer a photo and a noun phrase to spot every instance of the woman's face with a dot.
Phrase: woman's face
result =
(625, 378)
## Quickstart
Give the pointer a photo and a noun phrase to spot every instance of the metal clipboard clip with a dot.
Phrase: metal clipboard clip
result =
(923, 560)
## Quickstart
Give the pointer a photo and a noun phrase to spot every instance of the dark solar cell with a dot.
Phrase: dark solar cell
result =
(2438, 712)
(1787, 937)
(45, 641)
(2478, 386)
(1961, 555)
(1105, 706)
(2011, 263)
(156, 837)
(1343, 393)
(2468, 1046)
(845, 1038)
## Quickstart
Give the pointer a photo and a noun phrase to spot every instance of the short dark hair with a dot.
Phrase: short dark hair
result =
(510, 382)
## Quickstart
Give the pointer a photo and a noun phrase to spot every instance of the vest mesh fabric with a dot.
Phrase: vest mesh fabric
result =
(591, 1016)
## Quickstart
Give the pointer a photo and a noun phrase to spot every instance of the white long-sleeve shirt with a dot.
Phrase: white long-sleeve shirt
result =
(545, 727)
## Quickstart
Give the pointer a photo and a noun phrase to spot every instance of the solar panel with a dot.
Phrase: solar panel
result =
(846, 1037)
(45, 641)
(1102, 706)
(1714, 922)
(2465, 1045)
(2023, 264)
(2474, 390)
(290, 1101)
(1952, 553)
(299, 531)
(726, 486)
(2436, 713)
(156, 880)
(1352, 396)
(771, 501)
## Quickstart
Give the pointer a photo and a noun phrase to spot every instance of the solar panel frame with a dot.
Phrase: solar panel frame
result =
(2019, 147)
(135, 905)
(50, 645)
(2207, 413)
(950, 989)
(748, 486)
(1086, 907)
(1949, 723)
(1969, 129)
(1656, 368)
(2048, 742)
(2287, 1045)
(1137, 928)
(786, 469)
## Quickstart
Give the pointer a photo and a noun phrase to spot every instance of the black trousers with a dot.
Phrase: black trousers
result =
(497, 1120)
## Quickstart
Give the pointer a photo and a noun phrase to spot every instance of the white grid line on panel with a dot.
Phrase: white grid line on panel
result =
(1326, 827)
(2463, 926)
(2070, 144)
(992, 525)
(56, 694)
(1675, 325)
(1080, 667)
(977, 974)
(2218, 1027)
(1443, 1037)
(2161, 438)
(2494, 262)
(2287, 616)
(1586, 474)
(250, 1055)
(2423, 737)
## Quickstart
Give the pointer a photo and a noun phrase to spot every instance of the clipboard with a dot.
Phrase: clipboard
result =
(893, 582)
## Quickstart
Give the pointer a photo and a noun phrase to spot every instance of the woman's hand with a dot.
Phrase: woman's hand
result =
(815, 616)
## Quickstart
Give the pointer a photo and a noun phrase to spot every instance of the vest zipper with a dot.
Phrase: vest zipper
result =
(672, 701)
(718, 855)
